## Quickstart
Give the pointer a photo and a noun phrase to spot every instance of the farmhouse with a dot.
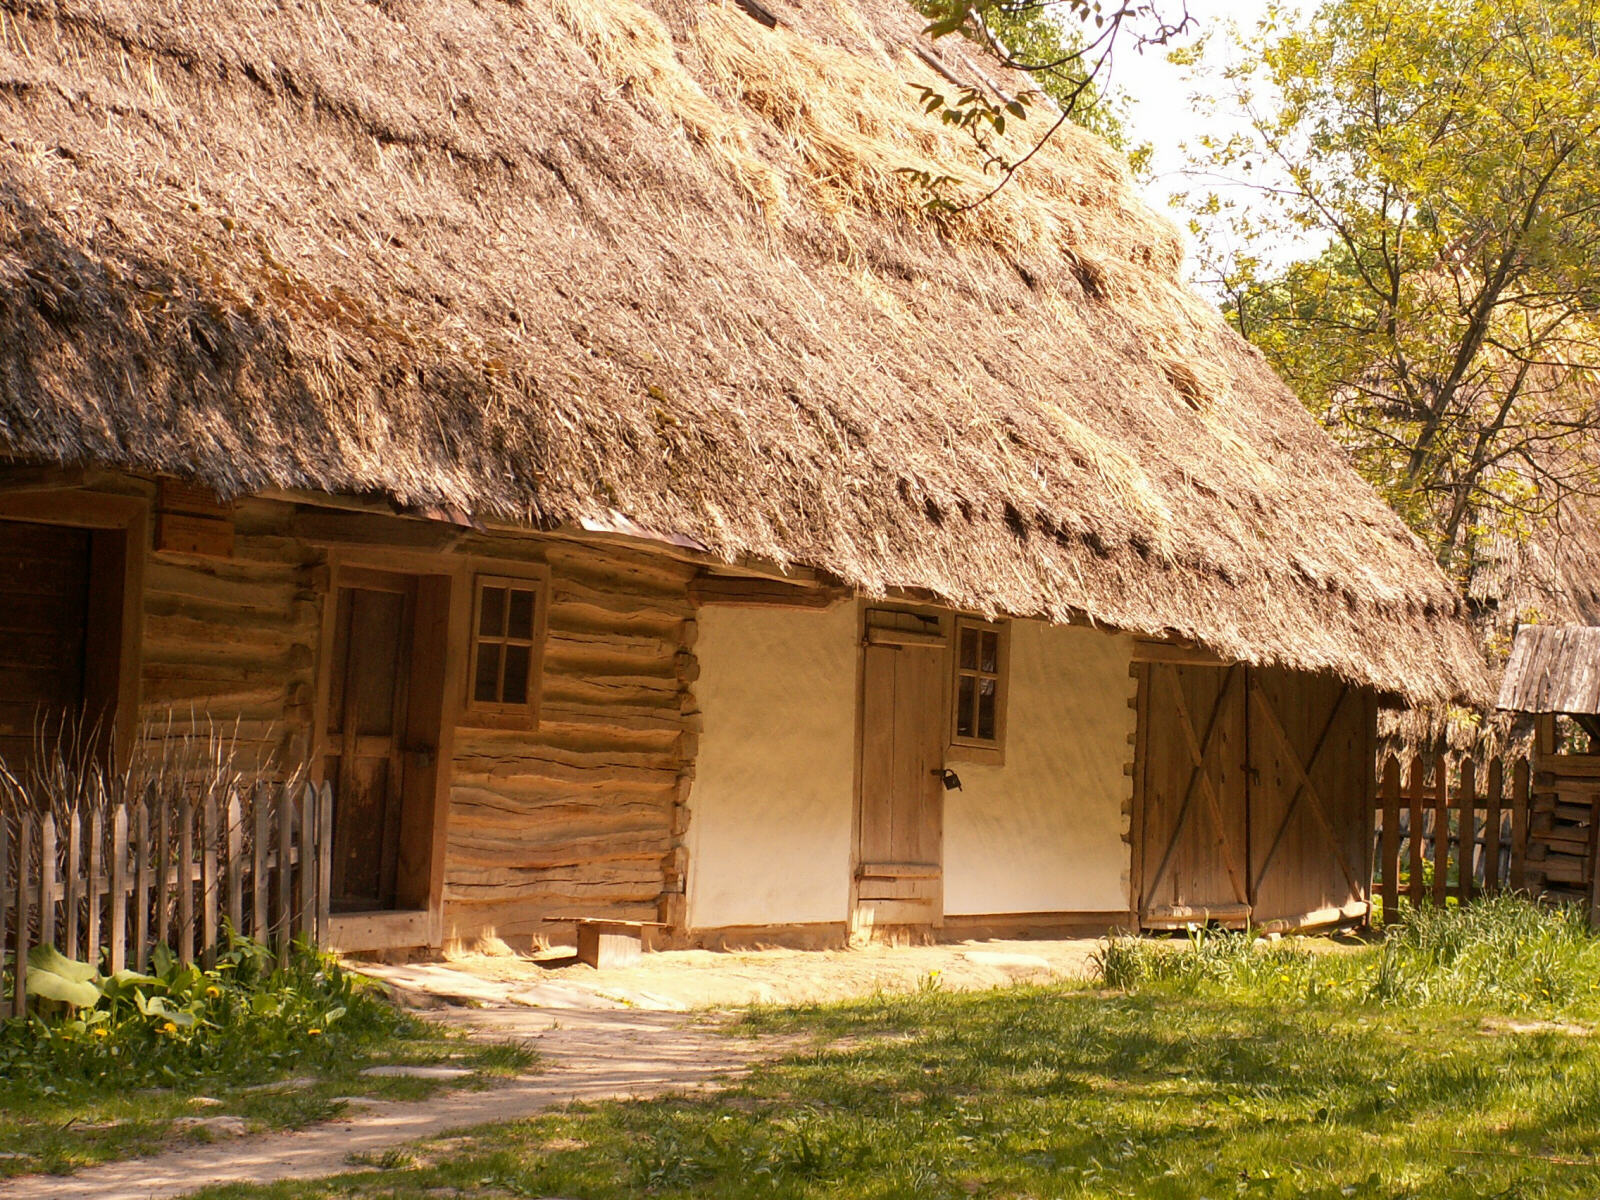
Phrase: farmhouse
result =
(569, 428)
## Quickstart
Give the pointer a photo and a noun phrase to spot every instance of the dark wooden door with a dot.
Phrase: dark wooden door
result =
(1311, 777)
(44, 619)
(1194, 796)
(900, 840)
(365, 735)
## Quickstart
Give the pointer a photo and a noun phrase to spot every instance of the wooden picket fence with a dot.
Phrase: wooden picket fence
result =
(1470, 826)
(110, 882)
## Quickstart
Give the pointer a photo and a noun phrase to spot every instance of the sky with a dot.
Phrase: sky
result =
(1159, 93)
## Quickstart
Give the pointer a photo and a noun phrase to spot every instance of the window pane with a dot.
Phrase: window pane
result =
(986, 698)
(520, 621)
(964, 701)
(969, 649)
(492, 617)
(516, 686)
(990, 659)
(486, 686)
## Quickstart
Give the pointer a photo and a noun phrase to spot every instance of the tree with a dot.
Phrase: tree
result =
(1440, 161)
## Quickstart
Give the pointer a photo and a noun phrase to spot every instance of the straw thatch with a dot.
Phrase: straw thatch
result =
(563, 259)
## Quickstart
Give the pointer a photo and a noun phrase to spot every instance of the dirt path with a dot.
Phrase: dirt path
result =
(586, 1054)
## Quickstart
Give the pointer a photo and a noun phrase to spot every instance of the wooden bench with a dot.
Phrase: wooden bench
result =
(603, 942)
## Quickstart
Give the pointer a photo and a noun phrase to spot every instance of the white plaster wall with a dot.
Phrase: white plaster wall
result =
(1044, 832)
(771, 804)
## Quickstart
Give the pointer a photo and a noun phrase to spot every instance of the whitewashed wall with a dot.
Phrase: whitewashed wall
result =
(1044, 832)
(771, 804)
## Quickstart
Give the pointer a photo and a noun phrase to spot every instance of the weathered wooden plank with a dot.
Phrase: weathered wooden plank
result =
(233, 834)
(261, 808)
(72, 901)
(92, 892)
(186, 873)
(1467, 851)
(118, 940)
(21, 917)
(208, 880)
(163, 868)
(1492, 880)
(142, 898)
(1441, 829)
(283, 924)
(1414, 797)
(1519, 825)
(1389, 792)
(47, 880)
(324, 863)
(8, 887)
(308, 863)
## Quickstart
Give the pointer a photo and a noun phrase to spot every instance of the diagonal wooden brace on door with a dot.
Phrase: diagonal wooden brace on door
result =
(1200, 752)
(1305, 788)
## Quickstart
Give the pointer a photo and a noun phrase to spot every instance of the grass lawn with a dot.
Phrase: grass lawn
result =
(1431, 1066)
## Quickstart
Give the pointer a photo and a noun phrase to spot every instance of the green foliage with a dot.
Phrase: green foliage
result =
(1507, 953)
(1440, 160)
(243, 1019)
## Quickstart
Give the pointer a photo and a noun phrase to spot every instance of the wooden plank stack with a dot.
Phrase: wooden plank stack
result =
(109, 883)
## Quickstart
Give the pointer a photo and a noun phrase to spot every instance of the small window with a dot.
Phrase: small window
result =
(507, 617)
(978, 702)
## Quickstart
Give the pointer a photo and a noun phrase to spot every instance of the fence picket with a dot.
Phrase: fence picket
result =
(7, 885)
(186, 881)
(1441, 829)
(208, 881)
(20, 916)
(142, 896)
(47, 880)
(260, 929)
(235, 864)
(119, 888)
(72, 900)
(283, 925)
(324, 863)
(308, 862)
(1491, 829)
(1519, 825)
(1389, 790)
(1467, 823)
(1414, 828)
(164, 887)
(97, 833)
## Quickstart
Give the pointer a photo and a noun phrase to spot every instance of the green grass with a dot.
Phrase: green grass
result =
(1430, 1066)
(78, 1093)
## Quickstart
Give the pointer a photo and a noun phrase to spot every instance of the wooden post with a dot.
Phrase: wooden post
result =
(1519, 825)
(7, 888)
(164, 883)
(1390, 792)
(283, 927)
(308, 863)
(72, 899)
(261, 802)
(142, 897)
(1441, 828)
(1491, 828)
(324, 863)
(119, 888)
(1414, 819)
(19, 916)
(208, 881)
(235, 874)
(1467, 854)
(186, 880)
(97, 835)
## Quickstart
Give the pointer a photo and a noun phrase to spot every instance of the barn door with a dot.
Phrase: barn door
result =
(1194, 796)
(1311, 773)
(364, 739)
(899, 844)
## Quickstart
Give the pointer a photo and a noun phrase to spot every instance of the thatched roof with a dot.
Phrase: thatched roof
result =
(558, 259)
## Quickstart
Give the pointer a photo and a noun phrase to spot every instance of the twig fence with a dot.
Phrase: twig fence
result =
(116, 880)
(1472, 831)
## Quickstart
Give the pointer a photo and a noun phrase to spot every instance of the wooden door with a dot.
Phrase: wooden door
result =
(364, 738)
(900, 839)
(1193, 793)
(1311, 789)
(44, 636)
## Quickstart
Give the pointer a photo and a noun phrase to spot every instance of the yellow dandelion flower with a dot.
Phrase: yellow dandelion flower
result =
(213, 992)
(169, 1027)
(314, 1032)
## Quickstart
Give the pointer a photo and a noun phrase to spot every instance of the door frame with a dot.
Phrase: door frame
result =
(116, 588)
(945, 620)
(437, 681)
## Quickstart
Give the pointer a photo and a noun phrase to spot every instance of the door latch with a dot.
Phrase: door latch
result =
(951, 781)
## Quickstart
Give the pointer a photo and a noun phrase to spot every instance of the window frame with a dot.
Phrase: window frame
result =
(499, 714)
(972, 748)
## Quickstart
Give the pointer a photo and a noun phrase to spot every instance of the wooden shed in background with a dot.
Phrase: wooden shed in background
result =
(1553, 676)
